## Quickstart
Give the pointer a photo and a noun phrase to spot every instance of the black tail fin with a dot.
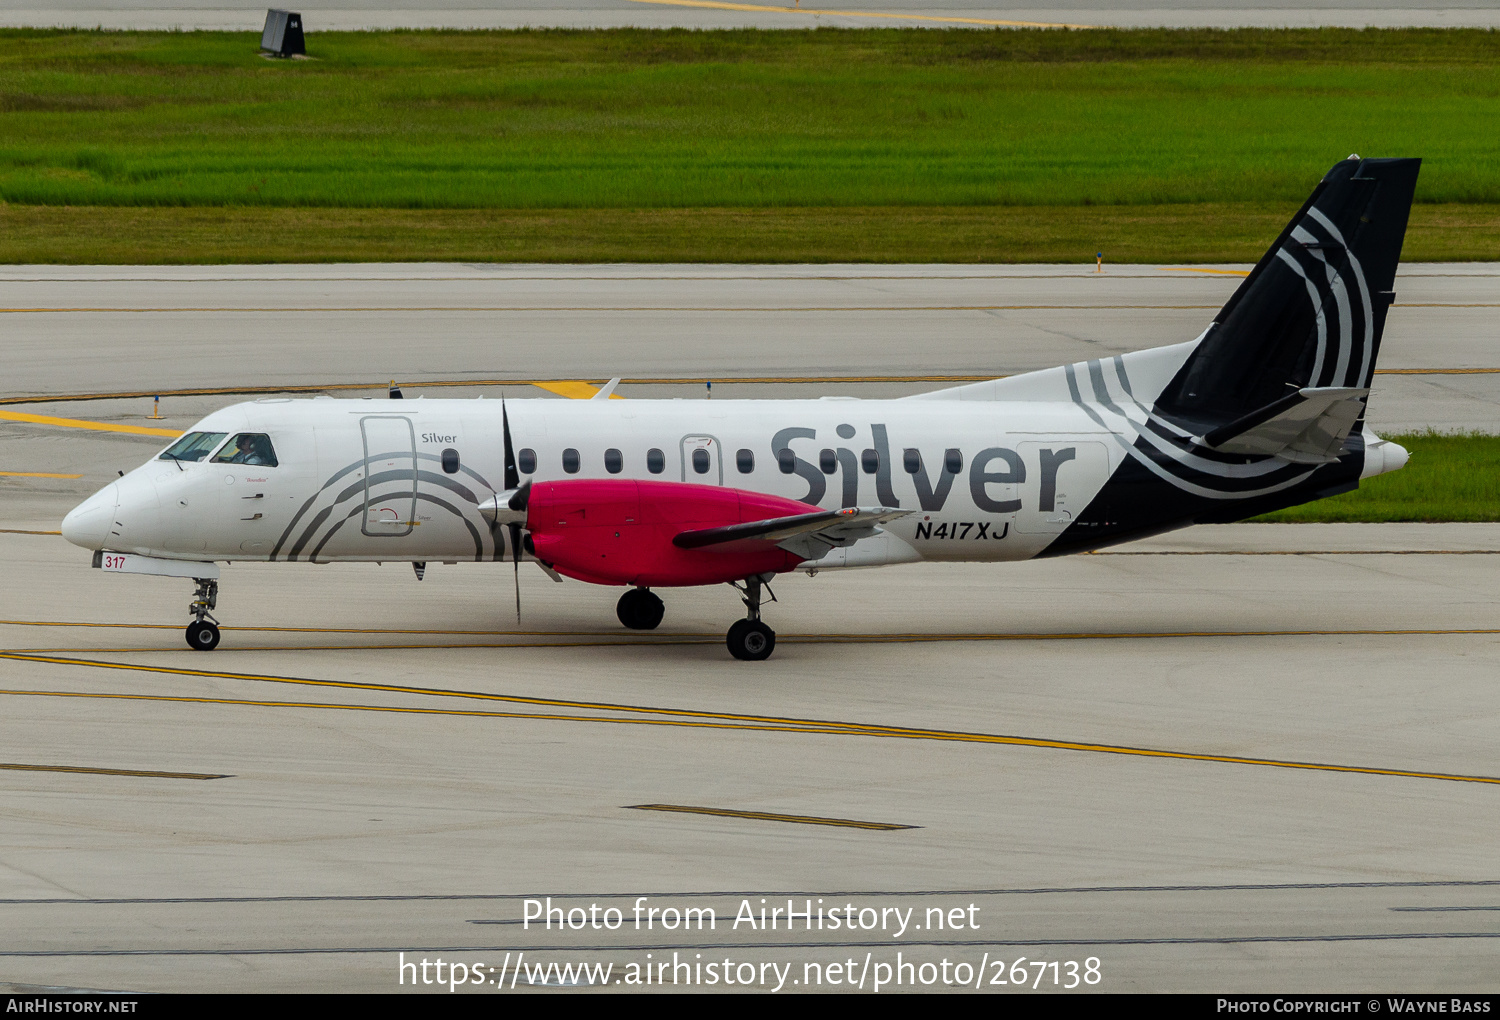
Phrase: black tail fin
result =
(1312, 312)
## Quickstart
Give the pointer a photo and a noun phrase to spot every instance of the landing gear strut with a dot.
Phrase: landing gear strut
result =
(203, 632)
(750, 639)
(640, 609)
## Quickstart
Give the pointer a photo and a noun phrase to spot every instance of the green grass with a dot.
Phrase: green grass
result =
(1449, 478)
(636, 119)
(1206, 232)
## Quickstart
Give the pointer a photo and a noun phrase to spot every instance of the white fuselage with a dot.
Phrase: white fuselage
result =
(342, 487)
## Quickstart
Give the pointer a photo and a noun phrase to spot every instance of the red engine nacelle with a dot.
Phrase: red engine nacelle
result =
(620, 531)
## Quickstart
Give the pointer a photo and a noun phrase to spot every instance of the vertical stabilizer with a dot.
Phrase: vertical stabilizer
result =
(1312, 312)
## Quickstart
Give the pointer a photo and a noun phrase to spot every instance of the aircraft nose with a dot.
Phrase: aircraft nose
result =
(89, 522)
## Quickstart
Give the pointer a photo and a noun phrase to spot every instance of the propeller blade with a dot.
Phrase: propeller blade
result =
(517, 502)
(515, 545)
(512, 476)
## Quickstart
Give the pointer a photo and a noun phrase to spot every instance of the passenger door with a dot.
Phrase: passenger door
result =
(390, 509)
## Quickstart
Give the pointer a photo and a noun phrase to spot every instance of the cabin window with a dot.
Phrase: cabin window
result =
(700, 461)
(193, 446)
(828, 461)
(786, 460)
(450, 461)
(527, 461)
(870, 461)
(745, 461)
(570, 461)
(252, 448)
(656, 461)
(911, 460)
(953, 462)
(614, 461)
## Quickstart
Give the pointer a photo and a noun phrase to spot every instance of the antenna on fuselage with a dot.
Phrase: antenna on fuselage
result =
(395, 391)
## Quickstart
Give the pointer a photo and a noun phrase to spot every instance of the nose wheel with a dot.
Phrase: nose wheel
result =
(640, 609)
(203, 632)
(749, 639)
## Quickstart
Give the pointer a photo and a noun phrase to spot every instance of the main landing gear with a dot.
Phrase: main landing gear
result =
(750, 639)
(203, 632)
(640, 609)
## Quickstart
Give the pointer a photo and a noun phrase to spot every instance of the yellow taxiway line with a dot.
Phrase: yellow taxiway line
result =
(684, 718)
(78, 423)
(1216, 272)
(548, 384)
(142, 773)
(769, 816)
(34, 474)
(583, 638)
(721, 5)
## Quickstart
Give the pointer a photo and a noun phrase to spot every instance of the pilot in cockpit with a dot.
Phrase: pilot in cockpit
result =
(251, 449)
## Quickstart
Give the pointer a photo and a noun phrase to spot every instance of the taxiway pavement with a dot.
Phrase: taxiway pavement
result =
(1235, 758)
(359, 815)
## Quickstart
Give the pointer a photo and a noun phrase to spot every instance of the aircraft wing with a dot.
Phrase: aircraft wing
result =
(1308, 426)
(809, 535)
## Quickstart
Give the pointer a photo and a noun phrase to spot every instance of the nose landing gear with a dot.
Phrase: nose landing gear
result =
(750, 639)
(203, 632)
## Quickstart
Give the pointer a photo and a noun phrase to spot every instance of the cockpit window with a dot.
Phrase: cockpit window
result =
(248, 448)
(194, 446)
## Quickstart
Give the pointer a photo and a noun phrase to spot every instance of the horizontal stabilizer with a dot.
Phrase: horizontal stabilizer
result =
(809, 535)
(1308, 426)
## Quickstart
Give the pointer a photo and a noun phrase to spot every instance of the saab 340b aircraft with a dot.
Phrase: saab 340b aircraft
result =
(1264, 410)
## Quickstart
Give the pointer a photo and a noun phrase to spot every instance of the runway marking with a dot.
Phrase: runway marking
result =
(34, 474)
(226, 391)
(1424, 910)
(1436, 371)
(110, 772)
(76, 423)
(1216, 272)
(753, 380)
(573, 389)
(27, 531)
(722, 5)
(767, 816)
(314, 309)
(594, 639)
(681, 894)
(344, 309)
(647, 639)
(689, 718)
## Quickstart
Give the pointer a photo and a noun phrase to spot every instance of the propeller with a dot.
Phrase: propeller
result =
(512, 484)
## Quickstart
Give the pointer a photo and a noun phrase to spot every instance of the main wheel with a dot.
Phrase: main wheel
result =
(751, 640)
(202, 636)
(640, 609)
